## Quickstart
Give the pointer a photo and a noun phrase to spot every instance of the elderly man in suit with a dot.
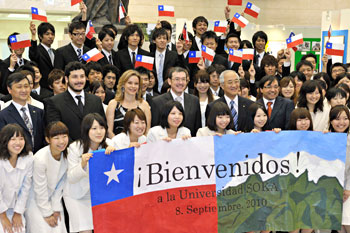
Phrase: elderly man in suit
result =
(71, 106)
(177, 80)
(30, 118)
(229, 81)
(73, 51)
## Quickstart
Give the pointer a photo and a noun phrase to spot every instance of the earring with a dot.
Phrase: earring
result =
(122, 89)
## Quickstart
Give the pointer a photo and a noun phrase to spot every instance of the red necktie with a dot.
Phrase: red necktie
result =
(269, 109)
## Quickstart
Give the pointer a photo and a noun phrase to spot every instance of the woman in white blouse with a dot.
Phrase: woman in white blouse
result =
(77, 191)
(219, 121)
(171, 124)
(16, 170)
(135, 124)
(45, 212)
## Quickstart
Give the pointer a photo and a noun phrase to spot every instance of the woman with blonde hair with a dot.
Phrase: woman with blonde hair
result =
(128, 96)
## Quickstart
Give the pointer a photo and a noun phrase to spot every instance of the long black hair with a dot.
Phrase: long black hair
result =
(86, 125)
(6, 134)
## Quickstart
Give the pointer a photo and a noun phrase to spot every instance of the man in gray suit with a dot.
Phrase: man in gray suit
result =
(177, 80)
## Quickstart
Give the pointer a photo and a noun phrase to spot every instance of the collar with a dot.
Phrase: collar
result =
(174, 95)
(37, 90)
(157, 53)
(266, 101)
(261, 55)
(76, 48)
(18, 106)
(169, 45)
(45, 47)
(21, 164)
(130, 50)
(107, 53)
(73, 94)
(228, 100)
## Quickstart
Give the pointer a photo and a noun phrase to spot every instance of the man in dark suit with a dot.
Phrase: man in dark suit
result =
(30, 118)
(232, 41)
(169, 30)
(126, 57)
(37, 88)
(278, 108)
(238, 105)
(73, 51)
(163, 58)
(199, 25)
(177, 80)
(20, 61)
(43, 54)
(71, 106)
(107, 38)
(259, 42)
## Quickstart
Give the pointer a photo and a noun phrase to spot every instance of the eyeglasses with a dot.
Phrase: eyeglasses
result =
(179, 79)
(271, 87)
(78, 34)
(338, 70)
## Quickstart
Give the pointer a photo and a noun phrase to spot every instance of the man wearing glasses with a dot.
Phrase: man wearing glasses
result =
(278, 108)
(73, 51)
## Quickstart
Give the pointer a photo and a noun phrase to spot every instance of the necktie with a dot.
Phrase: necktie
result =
(133, 59)
(207, 63)
(168, 47)
(257, 59)
(110, 59)
(34, 91)
(179, 99)
(20, 62)
(80, 104)
(234, 114)
(51, 55)
(27, 123)
(269, 109)
(160, 72)
(79, 55)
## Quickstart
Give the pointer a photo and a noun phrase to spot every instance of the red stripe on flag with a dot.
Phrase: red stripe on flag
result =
(235, 20)
(39, 17)
(146, 213)
(73, 2)
(220, 29)
(148, 66)
(166, 13)
(248, 57)
(194, 59)
(235, 59)
(207, 56)
(335, 52)
(295, 43)
(96, 57)
(234, 2)
(21, 44)
(251, 12)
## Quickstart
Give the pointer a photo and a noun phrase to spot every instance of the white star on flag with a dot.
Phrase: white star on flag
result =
(113, 174)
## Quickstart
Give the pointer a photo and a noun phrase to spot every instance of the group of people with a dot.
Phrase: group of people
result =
(56, 109)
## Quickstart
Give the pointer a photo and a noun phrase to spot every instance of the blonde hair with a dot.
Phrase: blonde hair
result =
(123, 79)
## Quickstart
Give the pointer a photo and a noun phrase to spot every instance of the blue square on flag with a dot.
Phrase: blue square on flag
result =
(249, 5)
(160, 7)
(329, 45)
(112, 176)
(217, 23)
(192, 54)
(34, 10)
(288, 40)
(237, 15)
(203, 48)
(13, 39)
(138, 57)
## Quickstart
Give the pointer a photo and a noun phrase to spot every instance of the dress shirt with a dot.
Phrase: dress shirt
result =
(228, 101)
(182, 96)
(266, 101)
(73, 94)
(130, 53)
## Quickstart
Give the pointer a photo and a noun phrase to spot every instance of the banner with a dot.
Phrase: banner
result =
(234, 183)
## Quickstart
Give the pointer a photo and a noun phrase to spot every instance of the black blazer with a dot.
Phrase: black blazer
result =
(235, 65)
(4, 73)
(104, 61)
(243, 114)
(62, 107)
(39, 54)
(256, 57)
(221, 42)
(67, 54)
(192, 110)
(152, 47)
(171, 59)
(7, 62)
(44, 93)
(280, 114)
(10, 115)
(123, 59)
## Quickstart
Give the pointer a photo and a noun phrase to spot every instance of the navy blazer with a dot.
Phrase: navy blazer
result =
(10, 115)
(67, 54)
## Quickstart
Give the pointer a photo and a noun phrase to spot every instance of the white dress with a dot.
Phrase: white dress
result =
(205, 131)
(157, 133)
(320, 119)
(14, 189)
(49, 178)
(122, 140)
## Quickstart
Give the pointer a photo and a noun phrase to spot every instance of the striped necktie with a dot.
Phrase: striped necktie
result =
(234, 114)
(79, 55)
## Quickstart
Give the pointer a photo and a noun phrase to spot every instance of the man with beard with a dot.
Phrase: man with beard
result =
(71, 106)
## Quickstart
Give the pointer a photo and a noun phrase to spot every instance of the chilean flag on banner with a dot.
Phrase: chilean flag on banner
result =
(185, 33)
(240, 20)
(90, 30)
(164, 10)
(294, 41)
(235, 55)
(38, 14)
(20, 41)
(252, 10)
(93, 55)
(208, 53)
(194, 56)
(220, 26)
(234, 2)
(248, 54)
(335, 49)
(122, 11)
(73, 2)
(144, 61)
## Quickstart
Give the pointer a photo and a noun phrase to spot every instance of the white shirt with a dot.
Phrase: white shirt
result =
(199, 42)
(47, 49)
(18, 107)
(215, 93)
(261, 55)
(131, 51)
(37, 90)
(14, 189)
(175, 97)
(205, 131)
(169, 46)
(266, 101)
(76, 49)
(228, 101)
(185, 53)
(109, 54)
(158, 133)
(33, 102)
(122, 140)
(73, 94)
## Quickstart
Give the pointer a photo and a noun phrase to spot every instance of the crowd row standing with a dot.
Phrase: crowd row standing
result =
(62, 109)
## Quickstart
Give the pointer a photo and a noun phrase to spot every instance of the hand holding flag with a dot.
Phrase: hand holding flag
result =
(290, 35)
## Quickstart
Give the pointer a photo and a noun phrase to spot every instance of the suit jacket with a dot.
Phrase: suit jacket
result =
(7, 62)
(4, 73)
(235, 65)
(221, 42)
(280, 114)
(104, 61)
(243, 114)
(152, 47)
(256, 57)
(192, 110)
(218, 59)
(67, 54)
(10, 115)
(62, 107)
(171, 59)
(40, 55)
(44, 93)
(123, 59)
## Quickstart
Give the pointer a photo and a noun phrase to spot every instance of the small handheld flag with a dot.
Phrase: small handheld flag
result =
(38, 14)
(252, 10)
(122, 11)
(144, 61)
(20, 41)
(240, 20)
(335, 49)
(220, 26)
(294, 41)
(73, 2)
(235, 55)
(90, 30)
(329, 32)
(93, 55)
(164, 10)
(194, 56)
(185, 33)
(248, 54)
(208, 53)
(290, 35)
(234, 2)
